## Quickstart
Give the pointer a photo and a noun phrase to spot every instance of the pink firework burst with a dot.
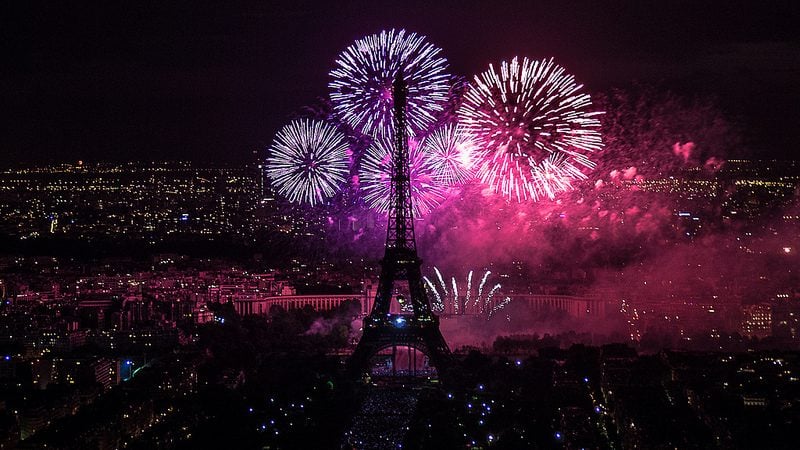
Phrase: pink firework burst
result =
(375, 177)
(533, 128)
(361, 86)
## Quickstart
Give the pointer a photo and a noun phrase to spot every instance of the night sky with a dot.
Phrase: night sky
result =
(185, 80)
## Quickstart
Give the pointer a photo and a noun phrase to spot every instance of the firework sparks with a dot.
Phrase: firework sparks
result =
(489, 306)
(532, 127)
(469, 287)
(308, 161)
(483, 283)
(361, 89)
(437, 298)
(375, 178)
(445, 301)
(452, 153)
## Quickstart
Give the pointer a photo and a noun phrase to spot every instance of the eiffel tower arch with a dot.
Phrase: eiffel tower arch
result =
(418, 328)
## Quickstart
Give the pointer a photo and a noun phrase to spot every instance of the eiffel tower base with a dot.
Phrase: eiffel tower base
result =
(399, 330)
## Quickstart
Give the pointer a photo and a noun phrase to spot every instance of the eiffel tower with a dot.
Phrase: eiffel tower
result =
(419, 328)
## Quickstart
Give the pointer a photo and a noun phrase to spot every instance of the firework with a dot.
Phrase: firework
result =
(375, 177)
(361, 89)
(307, 161)
(445, 301)
(532, 126)
(452, 153)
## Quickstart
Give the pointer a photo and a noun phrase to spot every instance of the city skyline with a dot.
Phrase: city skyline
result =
(400, 224)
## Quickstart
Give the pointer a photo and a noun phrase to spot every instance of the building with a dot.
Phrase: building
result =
(572, 305)
(756, 320)
(786, 317)
(247, 305)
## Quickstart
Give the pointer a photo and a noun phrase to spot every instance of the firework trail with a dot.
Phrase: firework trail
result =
(445, 301)
(361, 86)
(469, 287)
(375, 178)
(452, 154)
(437, 305)
(307, 161)
(483, 283)
(532, 128)
(488, 307)
(441, 280)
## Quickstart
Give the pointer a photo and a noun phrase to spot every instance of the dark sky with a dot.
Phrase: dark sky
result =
(186, 80)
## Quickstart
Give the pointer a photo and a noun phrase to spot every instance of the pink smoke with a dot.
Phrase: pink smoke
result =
(683, 150)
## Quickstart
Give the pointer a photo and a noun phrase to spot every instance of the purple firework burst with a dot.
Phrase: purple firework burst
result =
(361, 89)
(452, 154)
(307, 161)
(375, 177)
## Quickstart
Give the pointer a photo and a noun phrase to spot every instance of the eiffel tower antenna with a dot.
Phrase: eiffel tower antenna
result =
(418, 329)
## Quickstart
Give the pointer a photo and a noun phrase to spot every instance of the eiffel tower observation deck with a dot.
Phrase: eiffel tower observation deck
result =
(410, 342)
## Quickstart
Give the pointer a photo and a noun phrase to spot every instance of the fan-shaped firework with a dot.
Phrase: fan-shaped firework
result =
(361, 90)
(474, 299)
(452, 153)
(533, 128)
(375, 176)
(307, 161)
